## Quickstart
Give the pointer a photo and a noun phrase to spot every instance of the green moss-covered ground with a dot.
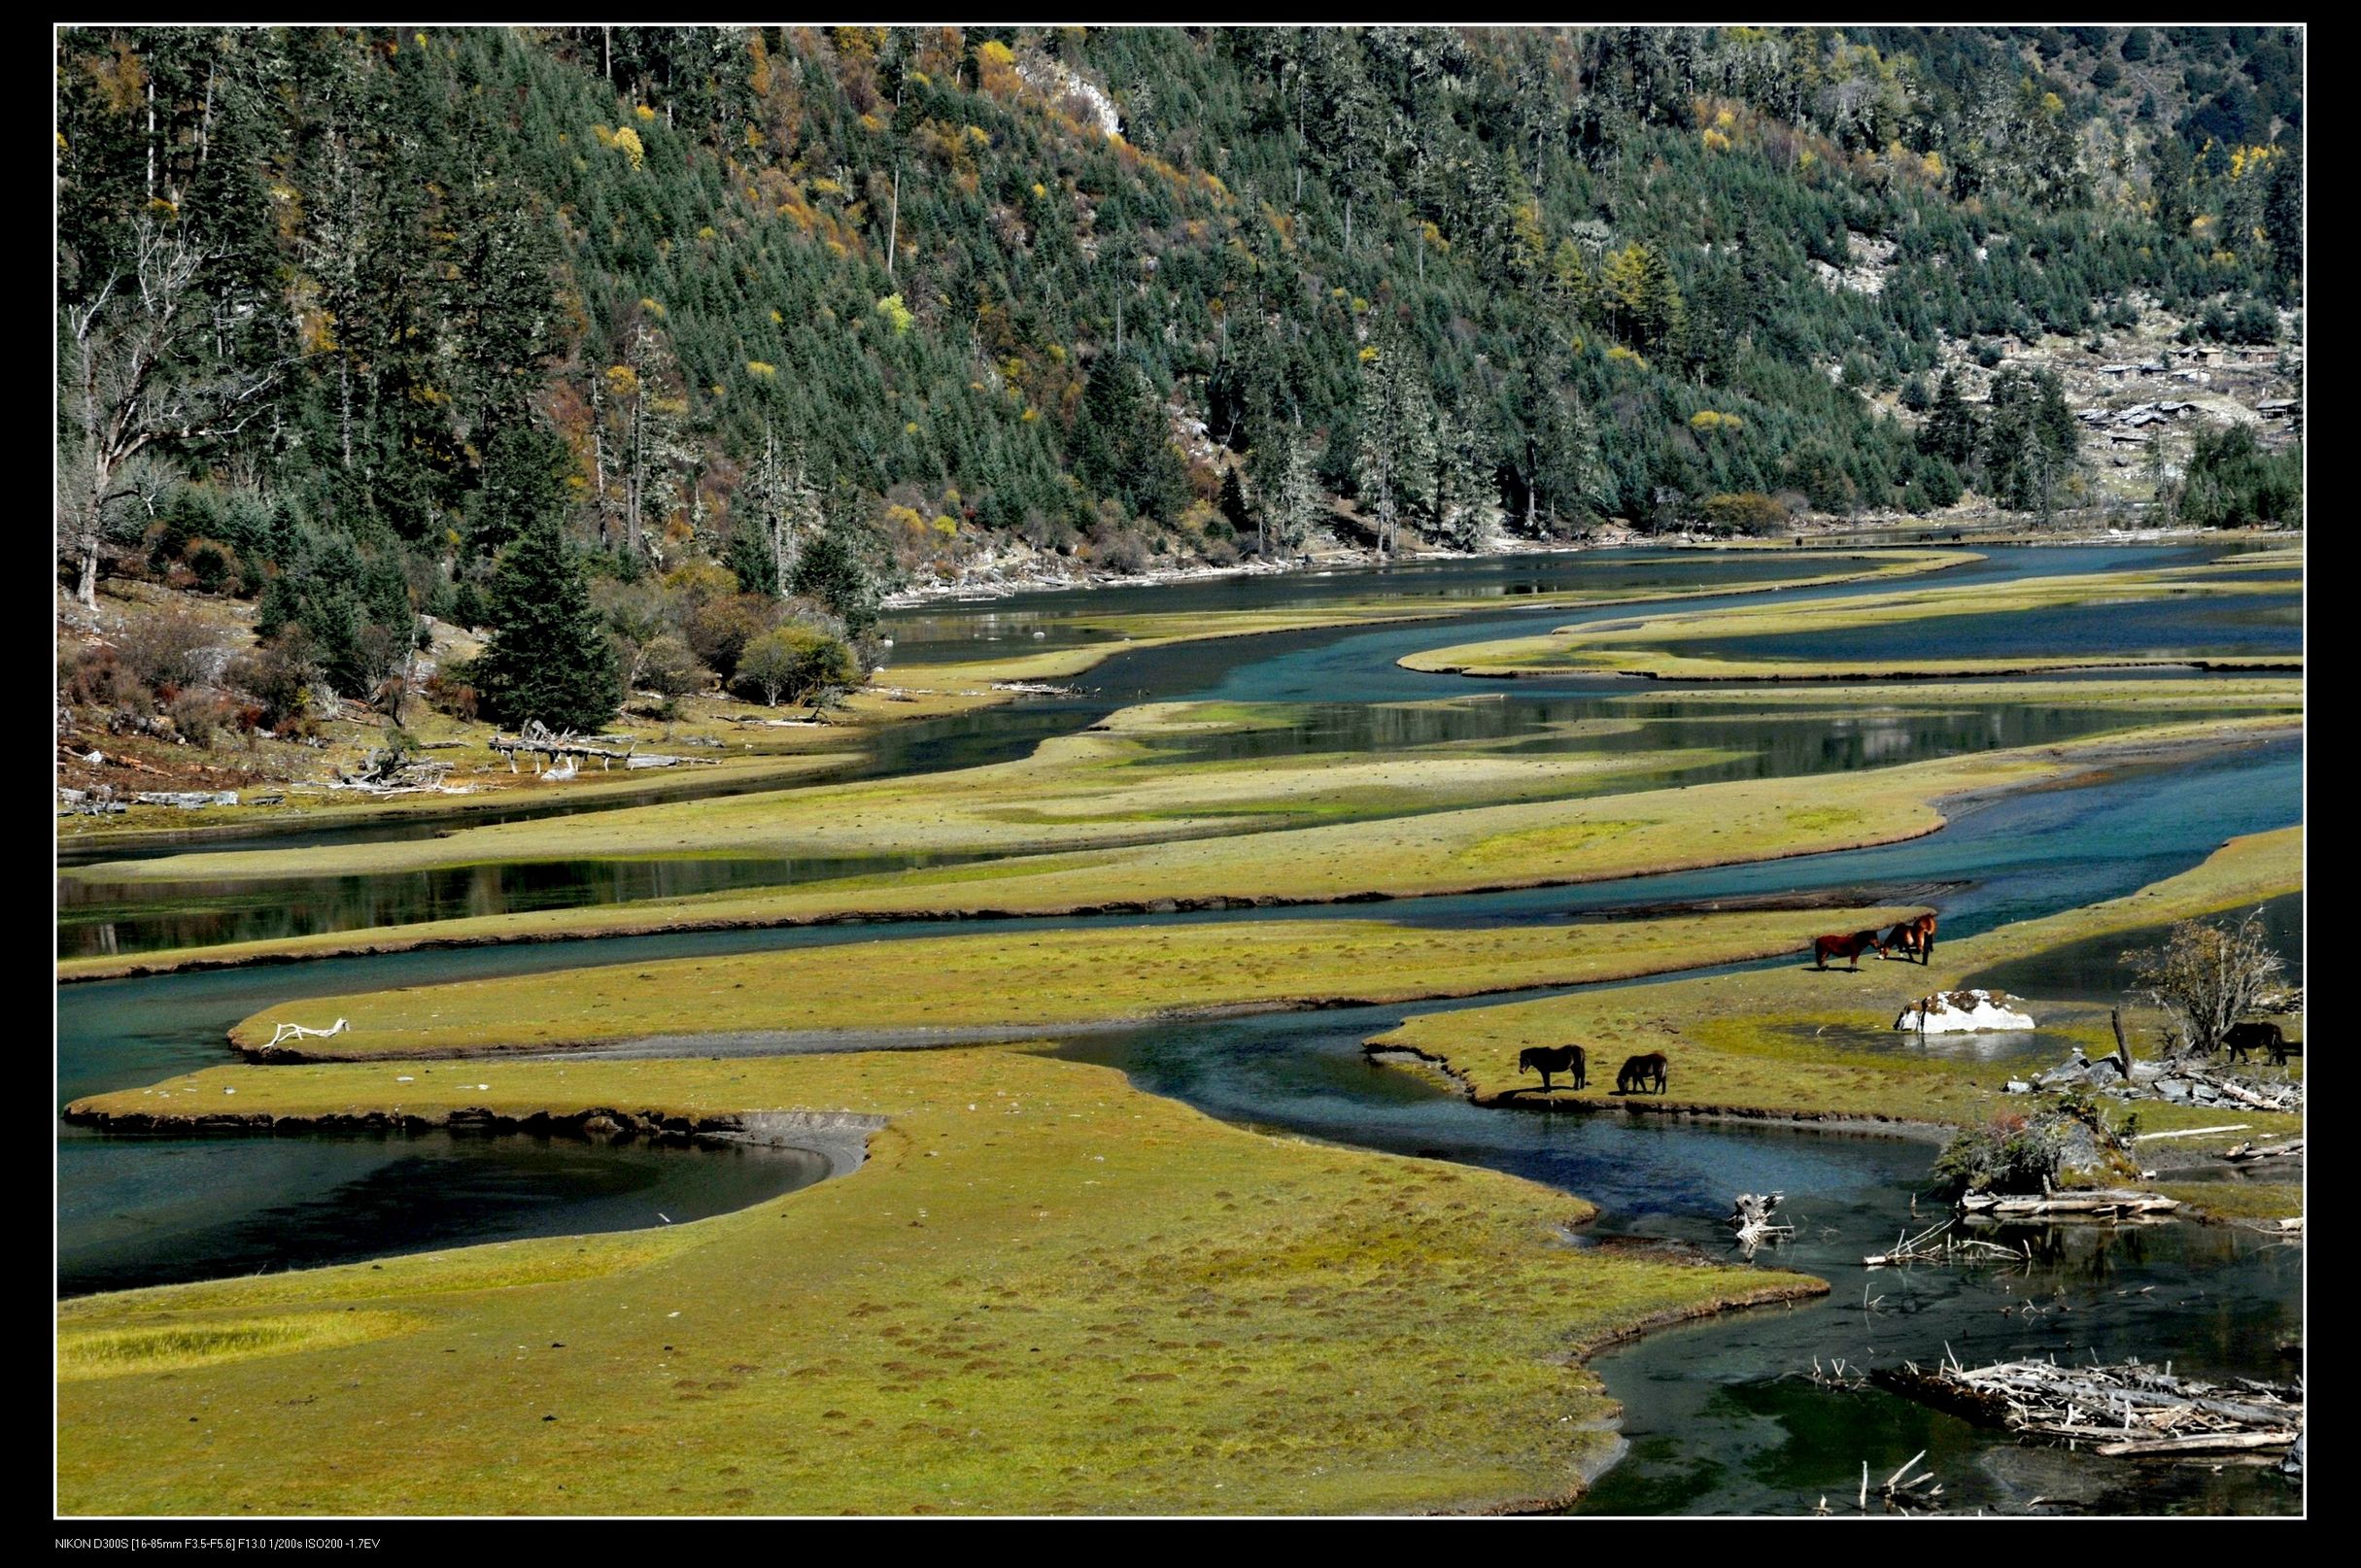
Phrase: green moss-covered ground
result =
(1030, 979)
(1046, 1292)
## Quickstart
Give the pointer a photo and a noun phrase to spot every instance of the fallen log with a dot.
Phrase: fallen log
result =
(2199, 1443)
(2102, 1203)
(2248, 1151)
(2191, 1132)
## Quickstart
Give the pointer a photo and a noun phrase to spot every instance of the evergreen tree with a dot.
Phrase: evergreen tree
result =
(1295, 507)
(524, 474)
(1949, 433)
(2284, 218)
(548, 656)
(750, 559)
(833, 569)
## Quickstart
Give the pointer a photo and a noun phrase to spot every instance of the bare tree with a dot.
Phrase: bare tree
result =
(130, 378)
(2205, 976)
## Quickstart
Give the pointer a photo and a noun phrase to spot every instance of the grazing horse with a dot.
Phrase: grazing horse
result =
(1640, 1071)
(1547, 1059)
(2240, 1039)
(1915, 939)
(1824, 948)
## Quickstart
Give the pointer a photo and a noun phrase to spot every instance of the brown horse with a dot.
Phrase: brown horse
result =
(1922, 937)
(1547, 1059)
(1824, 948)
(1913, 939)
(1641, 1071)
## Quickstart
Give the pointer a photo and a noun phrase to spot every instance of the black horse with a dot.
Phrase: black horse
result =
(1641, 1072)
(2242, 1038)
(1547, 1059)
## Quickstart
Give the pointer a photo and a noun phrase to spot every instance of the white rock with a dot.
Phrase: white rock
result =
(1953, 1012)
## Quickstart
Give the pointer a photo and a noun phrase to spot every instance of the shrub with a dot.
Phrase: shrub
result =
(210, 563)
(1747, 512)
(279, 675)
(1125, 553)
(794, 663)
(172, 647)
(97, 678)
(670, 669)
(2206, 977)
(2008, 1154)
(197, 715)
(446, 693)
(718, 629)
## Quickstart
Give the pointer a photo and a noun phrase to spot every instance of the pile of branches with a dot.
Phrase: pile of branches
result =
(2129, 1409)
(1937, 1244)
(391, 770)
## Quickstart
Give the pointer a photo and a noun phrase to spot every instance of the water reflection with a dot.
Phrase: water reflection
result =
(2093, 970)
(137, 1212)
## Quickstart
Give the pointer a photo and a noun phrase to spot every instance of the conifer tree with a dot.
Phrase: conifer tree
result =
(548, 658)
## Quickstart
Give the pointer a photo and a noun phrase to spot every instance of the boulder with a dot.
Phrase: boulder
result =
(1952, 1012)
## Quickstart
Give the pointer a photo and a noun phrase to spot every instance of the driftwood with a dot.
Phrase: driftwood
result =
(2130, 1410)
(393, 771)
(1749, 1215)
(2246, 1151)
(186, 800)
(1897, 1491)
(286, 1032)
(2231, 1087)
(2097, 1203)
(562, 748)
(1036, 689)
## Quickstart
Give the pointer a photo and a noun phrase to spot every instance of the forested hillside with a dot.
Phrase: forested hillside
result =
(345, 314)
